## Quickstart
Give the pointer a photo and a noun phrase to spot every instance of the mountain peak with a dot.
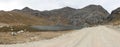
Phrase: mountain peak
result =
(93, 6)
(116, 11)
(115, 15)
(68, 8)
(26, 9)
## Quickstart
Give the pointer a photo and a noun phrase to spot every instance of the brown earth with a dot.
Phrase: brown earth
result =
(8, 38)
(99, 36)
(15, 18)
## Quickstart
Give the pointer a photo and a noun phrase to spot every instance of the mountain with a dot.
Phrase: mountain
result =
(89, 15)
(27, 10)
(114, 17)
(57, 16)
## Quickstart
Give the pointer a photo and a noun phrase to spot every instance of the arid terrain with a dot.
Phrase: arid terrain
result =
(99, 36)
(22, 34)
(90, 26)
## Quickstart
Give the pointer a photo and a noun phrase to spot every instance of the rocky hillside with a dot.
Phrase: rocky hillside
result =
(89, 15)
(114, 17)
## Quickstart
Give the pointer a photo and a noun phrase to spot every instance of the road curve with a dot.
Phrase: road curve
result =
(100, 36)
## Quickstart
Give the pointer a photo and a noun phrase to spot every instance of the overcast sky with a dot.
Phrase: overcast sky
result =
(55, 4)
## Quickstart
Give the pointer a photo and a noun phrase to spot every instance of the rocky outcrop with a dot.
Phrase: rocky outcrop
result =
(114, 17)
(90, 15)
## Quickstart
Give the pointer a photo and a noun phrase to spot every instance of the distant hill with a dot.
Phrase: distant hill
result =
(16, 18)
(89, 15)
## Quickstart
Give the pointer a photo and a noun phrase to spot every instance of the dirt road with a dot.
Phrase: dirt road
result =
(100, 36)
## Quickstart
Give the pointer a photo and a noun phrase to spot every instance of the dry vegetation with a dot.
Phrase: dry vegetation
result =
(15, 18)
(27, 34)
(15, 21)
(18, 22)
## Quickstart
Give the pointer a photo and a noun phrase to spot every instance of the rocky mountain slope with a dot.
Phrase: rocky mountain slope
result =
(114, 17)
(89, 15)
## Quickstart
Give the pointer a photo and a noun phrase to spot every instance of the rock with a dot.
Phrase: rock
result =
(11, 29)
(1, 26)
(21, 31)
(13, 33)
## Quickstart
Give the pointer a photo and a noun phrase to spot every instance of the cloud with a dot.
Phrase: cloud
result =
(42, 4)
(9, 5)
(55, 4)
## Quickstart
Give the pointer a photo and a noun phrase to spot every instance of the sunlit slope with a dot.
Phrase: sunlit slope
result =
(20, 18)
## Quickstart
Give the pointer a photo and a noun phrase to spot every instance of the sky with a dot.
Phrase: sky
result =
(55, 4)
